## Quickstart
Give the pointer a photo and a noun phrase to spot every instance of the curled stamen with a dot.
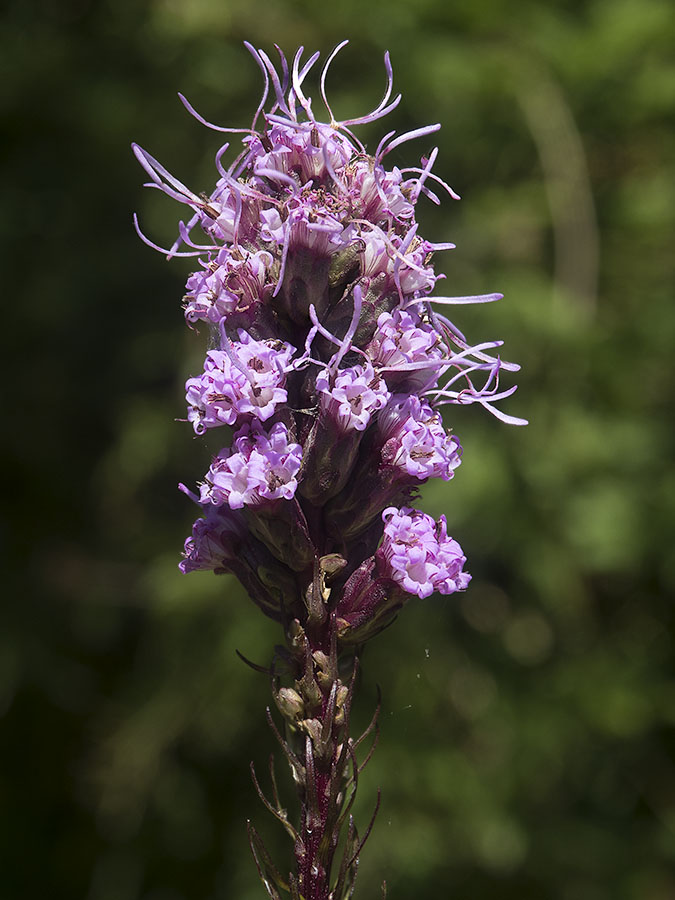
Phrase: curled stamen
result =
(432, 175)
(403, 138)
(202, 121)
(185, 237)
(156, 171)
(219, 155)
(284, 68)
(288, 122)
(351, 331)
(261, 65)
(168, 253)
(493, 374)
(382, 109)
(381, 145)
(322, 82)
(459, 301)
(190, 225)
(299, 77)
(279, 91)
(320, 328)
(502, 416)
(424, 174)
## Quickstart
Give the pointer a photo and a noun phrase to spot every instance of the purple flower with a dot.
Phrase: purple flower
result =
(352, 396)
(298, 155)
(258, 468)
(378, 195)
(415, 440)
(245, 380)
(405, 348)
(226, 285)
(418, 554)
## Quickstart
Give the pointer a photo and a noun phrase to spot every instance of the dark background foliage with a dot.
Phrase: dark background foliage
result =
(527, 727)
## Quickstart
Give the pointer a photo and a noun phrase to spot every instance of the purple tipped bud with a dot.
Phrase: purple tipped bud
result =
(221, 542)
(215, 541)
(369, 603)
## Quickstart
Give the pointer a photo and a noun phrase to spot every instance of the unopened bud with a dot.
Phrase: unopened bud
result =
(313, 728)
(290, 704)
(323, 669)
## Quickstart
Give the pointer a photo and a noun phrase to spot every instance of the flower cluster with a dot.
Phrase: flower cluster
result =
(243, 380)
(259, 467)
(419, 553)
(328, 359)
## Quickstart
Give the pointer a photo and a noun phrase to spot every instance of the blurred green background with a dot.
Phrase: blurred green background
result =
(527, 728)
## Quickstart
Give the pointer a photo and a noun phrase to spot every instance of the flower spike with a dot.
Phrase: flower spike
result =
(327, 367)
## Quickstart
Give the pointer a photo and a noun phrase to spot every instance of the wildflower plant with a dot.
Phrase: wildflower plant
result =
(330, 367)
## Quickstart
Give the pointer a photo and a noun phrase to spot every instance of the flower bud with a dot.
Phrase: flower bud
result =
(290, 703)
(369, 603)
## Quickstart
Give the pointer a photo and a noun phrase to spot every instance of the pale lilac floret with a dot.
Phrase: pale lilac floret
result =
(379, 193)
(421, 558)
(228, 218)
(312, 226)
(415, 439)
(415, 275)
(206, 297)
(377, 257)
(402, 338)
(404, 261)
(352, 396)
(451, 561)
(259, 467)
(225, 285)
(272, 226)
(300, 155)
(247, 380)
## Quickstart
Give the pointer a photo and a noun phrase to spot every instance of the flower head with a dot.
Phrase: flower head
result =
(419, 554)
(416, 441)
(259, 467)
(352, 396)
(226, 284)
(247, 379)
